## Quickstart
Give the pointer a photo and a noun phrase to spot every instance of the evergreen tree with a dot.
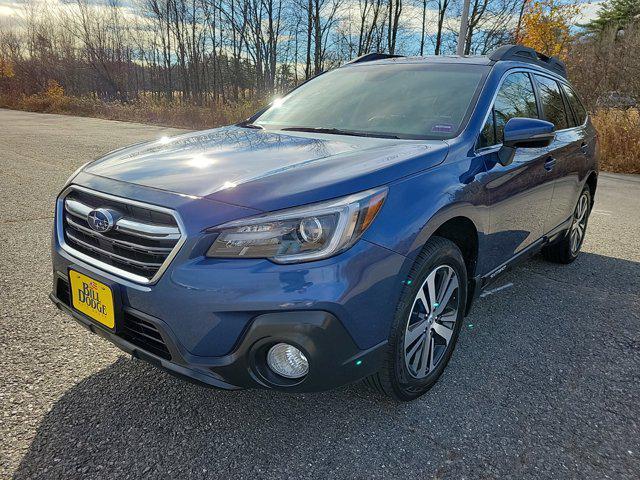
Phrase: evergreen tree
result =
(615, 14)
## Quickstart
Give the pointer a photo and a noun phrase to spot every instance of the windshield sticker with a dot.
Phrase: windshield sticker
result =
(442, 128)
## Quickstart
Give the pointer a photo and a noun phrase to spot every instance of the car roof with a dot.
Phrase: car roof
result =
(506, 54)
(479, 60)
(447, 59)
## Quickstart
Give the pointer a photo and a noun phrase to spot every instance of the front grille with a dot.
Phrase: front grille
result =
(140, 242)
(144, 335)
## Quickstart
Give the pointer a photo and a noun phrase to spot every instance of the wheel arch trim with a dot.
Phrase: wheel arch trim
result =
(464, 211)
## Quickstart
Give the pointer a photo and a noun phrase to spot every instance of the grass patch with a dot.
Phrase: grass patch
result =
(142, 110)
(619, 135)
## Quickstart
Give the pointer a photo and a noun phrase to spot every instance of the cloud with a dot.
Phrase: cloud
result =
(413, 20)
(12, 11)
(9, 9)
(589, 11)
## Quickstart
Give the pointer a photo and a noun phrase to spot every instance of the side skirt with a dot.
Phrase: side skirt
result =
(517, 259)
(482, 282)
(479, 283)
(551, 237)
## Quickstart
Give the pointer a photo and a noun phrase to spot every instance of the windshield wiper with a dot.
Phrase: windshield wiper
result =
(250, 125)
(338, 131)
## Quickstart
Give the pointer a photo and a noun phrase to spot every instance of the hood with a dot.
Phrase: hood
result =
(267, 170)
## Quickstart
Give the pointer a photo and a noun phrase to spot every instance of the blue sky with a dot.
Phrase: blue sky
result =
(10, 10)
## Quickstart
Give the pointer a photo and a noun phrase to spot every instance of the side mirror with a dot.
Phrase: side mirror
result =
(524, 133)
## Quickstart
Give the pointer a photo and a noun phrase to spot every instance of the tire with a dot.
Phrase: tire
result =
(567, 249)
(410, 370)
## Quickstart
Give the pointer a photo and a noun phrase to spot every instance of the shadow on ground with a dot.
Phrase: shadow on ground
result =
(544, 383)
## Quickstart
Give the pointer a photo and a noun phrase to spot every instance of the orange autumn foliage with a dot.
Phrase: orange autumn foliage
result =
(546, 26)
(6, 68)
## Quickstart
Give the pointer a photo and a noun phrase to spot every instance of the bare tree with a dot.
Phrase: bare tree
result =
(394, 10)
(219, 51)
(442, 12)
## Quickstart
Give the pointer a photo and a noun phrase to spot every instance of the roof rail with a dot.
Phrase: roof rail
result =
(526, 54)
(370, 57)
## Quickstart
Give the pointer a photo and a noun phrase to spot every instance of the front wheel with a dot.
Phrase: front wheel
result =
(567, 249)
(426, 324)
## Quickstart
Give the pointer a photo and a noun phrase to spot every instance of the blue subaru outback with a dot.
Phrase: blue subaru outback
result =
(340, 234)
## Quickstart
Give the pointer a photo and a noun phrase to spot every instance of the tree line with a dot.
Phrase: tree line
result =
(207, 52)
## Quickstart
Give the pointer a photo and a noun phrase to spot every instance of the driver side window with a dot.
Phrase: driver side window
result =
(516, 98)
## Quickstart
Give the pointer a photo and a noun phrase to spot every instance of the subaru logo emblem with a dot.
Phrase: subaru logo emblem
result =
(101, 220)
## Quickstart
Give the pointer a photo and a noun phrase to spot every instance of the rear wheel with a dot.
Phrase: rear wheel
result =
(567, 249)
(427, 322)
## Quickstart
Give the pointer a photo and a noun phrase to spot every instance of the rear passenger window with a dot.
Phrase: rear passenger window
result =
(552, 102)
(516, 98)
(579, 112)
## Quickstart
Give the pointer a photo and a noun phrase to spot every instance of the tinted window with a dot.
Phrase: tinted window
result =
(405, 100)
(552, 103)
(488, 133)
(578, 110)
(515, 99)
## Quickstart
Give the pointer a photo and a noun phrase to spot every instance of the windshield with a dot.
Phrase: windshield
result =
(419, 101)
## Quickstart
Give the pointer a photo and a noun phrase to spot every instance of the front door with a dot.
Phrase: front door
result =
(520, 193)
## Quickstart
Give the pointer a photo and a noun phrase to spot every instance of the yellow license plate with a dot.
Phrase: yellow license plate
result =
(92, 298)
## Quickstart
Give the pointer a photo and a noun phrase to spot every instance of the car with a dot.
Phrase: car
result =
(341, 234)
(616, 100)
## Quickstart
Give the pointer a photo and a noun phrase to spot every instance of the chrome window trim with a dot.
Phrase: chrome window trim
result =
(530, 71)
(105, 266)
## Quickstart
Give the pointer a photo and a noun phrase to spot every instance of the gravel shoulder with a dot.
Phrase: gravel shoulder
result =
(545, 381)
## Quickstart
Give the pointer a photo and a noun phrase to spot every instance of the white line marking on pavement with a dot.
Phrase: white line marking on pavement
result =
(486, 293)
(601, 212)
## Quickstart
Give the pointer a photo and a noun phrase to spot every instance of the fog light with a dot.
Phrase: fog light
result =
(287, 360)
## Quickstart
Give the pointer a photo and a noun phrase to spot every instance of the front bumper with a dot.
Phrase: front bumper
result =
(214, 319)
(335, 359)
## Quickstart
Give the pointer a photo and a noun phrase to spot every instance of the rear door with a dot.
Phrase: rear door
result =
(583, 140)
(566, 151)
(521, 192)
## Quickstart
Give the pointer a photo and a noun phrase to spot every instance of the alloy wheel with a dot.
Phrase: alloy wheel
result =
(432, 320)
(579, 225)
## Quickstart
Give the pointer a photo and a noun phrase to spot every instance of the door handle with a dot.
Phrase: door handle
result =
(584, 147)
(549, 164)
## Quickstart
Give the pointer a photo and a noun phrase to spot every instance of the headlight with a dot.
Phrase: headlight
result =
(300, 234)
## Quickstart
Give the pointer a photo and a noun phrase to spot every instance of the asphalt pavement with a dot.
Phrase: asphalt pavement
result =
(544, 383)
